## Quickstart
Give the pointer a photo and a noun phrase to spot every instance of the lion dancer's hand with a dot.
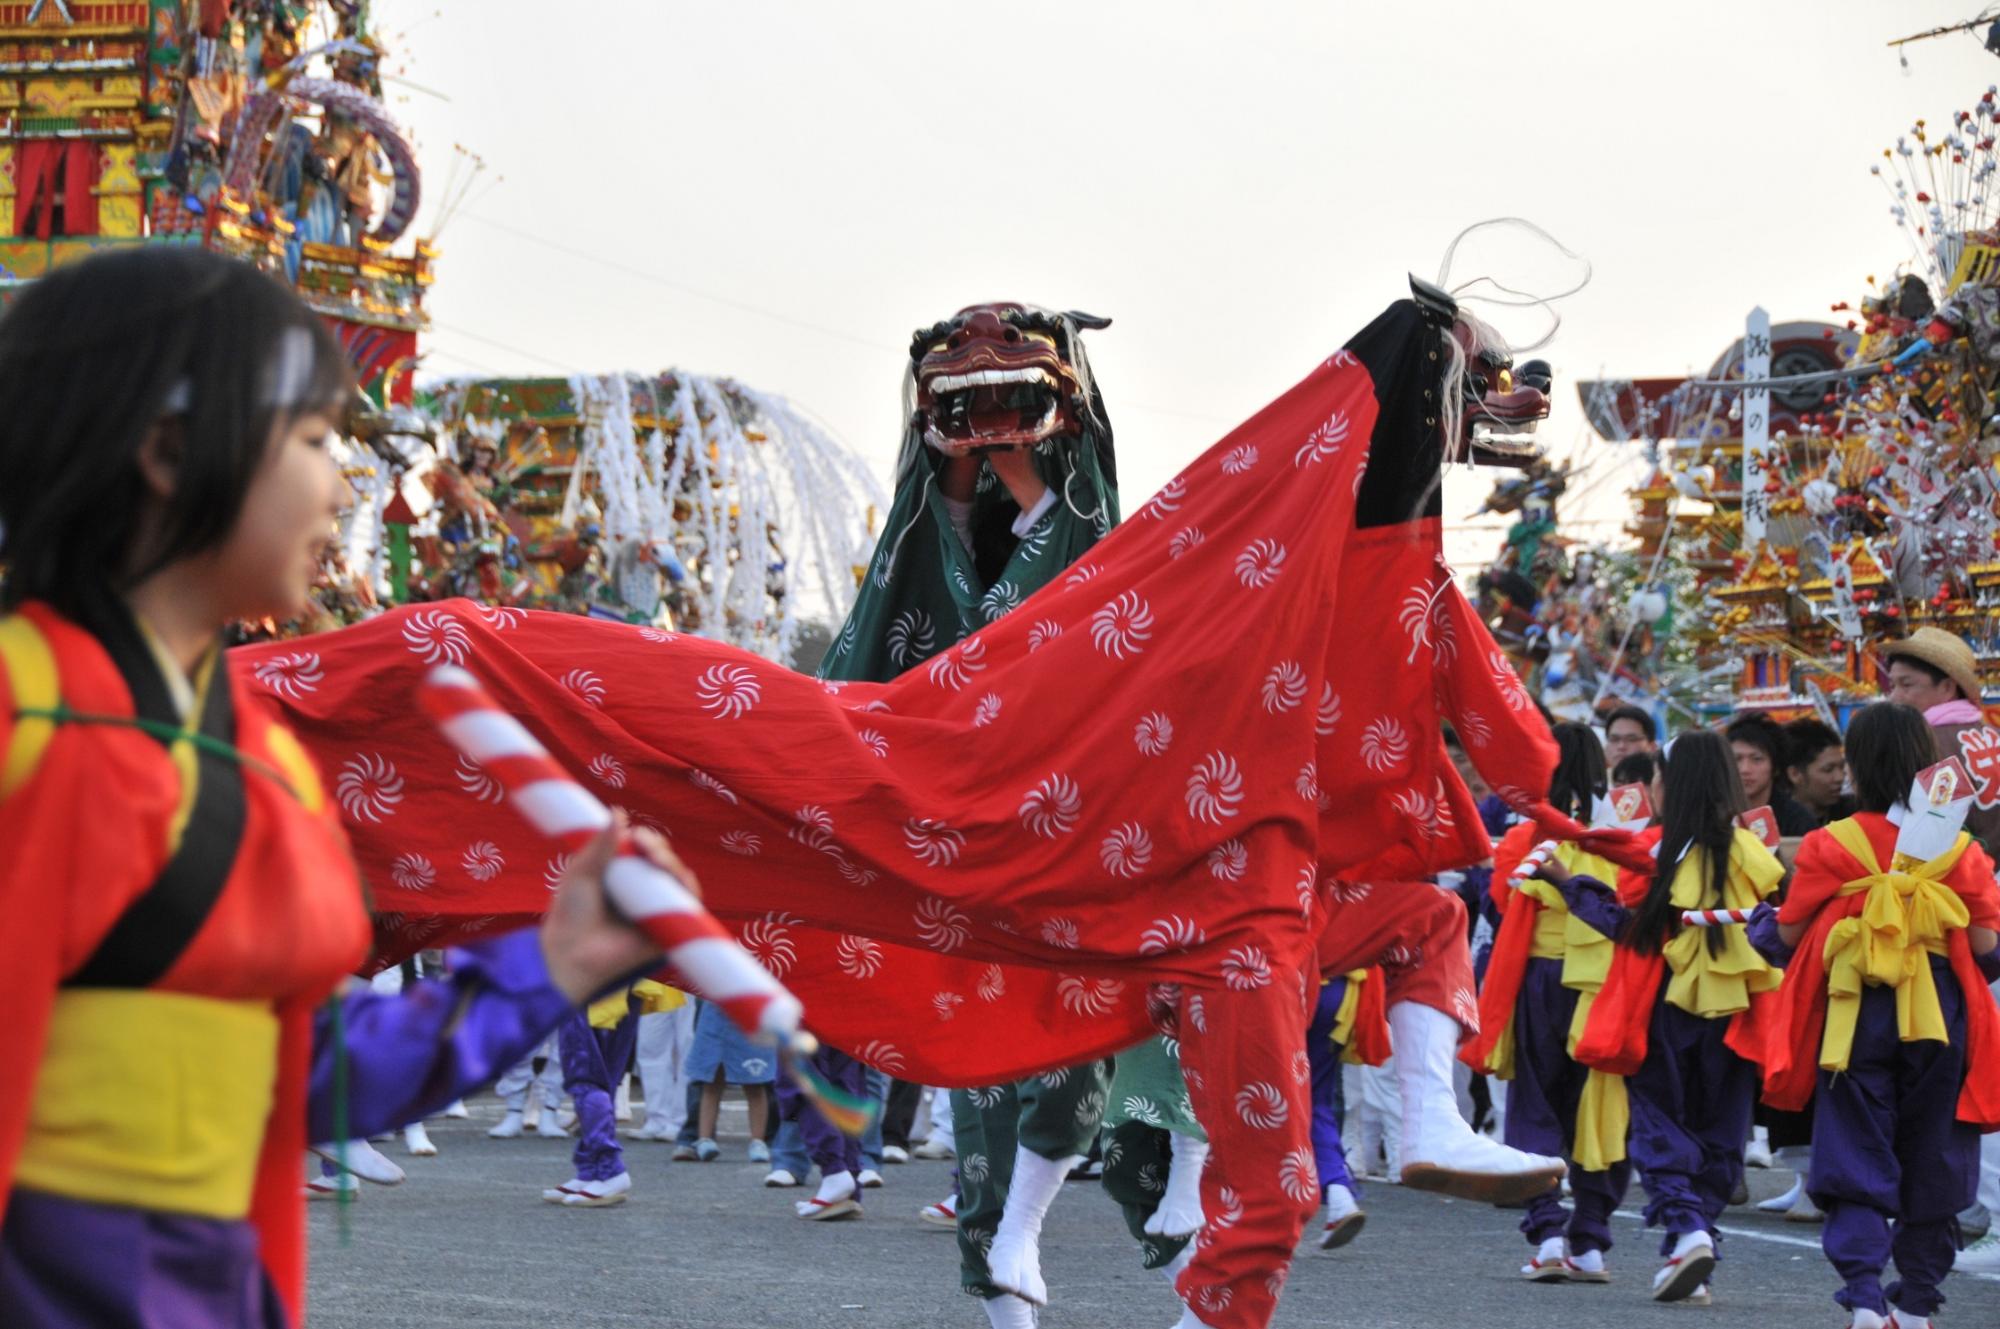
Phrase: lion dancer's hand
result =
(1417, 933)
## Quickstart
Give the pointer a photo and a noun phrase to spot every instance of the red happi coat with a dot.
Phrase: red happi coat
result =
(1146, 773)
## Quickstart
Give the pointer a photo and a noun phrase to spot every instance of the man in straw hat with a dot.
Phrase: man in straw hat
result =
(1935, 671)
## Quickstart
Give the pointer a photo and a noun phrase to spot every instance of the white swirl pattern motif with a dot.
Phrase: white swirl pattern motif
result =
(436, 637)
(1051, 808)
(1122, 628)
(1126, 851)
(291, 676)
(368, 788)
(1215, 789)
(727, 692)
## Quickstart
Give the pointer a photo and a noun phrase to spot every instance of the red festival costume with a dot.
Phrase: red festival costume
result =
(1154, 771)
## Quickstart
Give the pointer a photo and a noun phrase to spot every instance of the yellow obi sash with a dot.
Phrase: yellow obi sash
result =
(1350, 1006)
(1715, 984)
(1585, 952)
(1603, 1115)
(152, 1100)
(1906, 918)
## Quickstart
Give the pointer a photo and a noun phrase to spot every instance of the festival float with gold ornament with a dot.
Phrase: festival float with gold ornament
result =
(1827, 486)
(257, 128)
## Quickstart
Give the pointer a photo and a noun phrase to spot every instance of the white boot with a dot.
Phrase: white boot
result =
(1008, 1312)
(509, 1127)
(1014, 1264)
(1440, 1152)
(418, 1141)
(1179, 1212)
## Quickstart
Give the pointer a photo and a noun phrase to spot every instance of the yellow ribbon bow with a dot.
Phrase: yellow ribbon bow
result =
(1907, 916)
(1713, 984)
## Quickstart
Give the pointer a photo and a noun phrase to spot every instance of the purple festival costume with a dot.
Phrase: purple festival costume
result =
(1541, 1114)
(1323, 1057)
(1887, 1143)
(832, 1152)
(407, 1055)
(593, 1062)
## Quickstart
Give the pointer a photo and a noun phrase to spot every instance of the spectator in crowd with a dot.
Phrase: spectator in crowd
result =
(1761, 759)
(1627, 730)
(1816, 766)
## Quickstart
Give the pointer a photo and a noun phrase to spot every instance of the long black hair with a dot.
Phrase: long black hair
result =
(1579, 779)
(96, 354)
(1703, 799)
(1887, 744)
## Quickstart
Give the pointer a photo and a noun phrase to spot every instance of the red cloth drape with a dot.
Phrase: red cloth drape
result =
(1152, 771)
(45, 169)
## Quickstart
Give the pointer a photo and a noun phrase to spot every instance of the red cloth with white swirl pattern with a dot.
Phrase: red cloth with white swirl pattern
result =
(1150, 772)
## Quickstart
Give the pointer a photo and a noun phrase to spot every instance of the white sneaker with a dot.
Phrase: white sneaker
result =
(363, 1159)
(781, 1178)
(932, 1149)
(870, 1179)
(418, 1141)
(599, 1194)
(509, 1127)
(893, 1153)
(1551, 1263)
(651, 1132)
(1981, 1257)
(1686, 1271)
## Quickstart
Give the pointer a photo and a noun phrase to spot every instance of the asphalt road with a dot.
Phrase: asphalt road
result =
(467, 1241)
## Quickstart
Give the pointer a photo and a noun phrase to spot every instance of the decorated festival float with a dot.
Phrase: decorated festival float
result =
(258, 128)
(1823, 486)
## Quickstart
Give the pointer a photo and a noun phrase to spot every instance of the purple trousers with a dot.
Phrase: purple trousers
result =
(72, 1264)
(1541, 1114)
(1323, 1057)
(593, 1062)
(1690, 1102)
(1892, 1165)
(830, 1151)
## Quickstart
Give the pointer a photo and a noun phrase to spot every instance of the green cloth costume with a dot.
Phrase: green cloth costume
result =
(1055, 1115)
(924, 591)
(1148, 1107)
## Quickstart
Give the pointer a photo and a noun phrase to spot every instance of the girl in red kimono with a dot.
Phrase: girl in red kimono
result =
(177, 899)
(1679, 1013)
(1888, 1025)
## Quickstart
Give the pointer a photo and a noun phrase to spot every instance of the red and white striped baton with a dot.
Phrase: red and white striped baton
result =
(1532, 863)
(1714, 918)
(696, 944)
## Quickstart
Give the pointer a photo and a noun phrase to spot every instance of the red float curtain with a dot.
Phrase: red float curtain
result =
(34, 178)
(80, 189)
(46, 169)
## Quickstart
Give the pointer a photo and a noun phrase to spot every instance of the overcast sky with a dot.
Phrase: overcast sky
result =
(781, 192)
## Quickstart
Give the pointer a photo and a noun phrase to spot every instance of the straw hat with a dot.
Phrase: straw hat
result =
(1940, 650)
